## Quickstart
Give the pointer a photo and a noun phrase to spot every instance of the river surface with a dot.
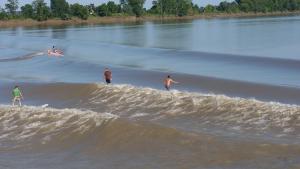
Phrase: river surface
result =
(237, 105)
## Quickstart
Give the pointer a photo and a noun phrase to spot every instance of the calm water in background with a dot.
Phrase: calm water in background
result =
(133, 123)
(169, 47)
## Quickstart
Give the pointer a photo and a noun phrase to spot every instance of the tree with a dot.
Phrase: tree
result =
(102, 10)
(12, 6)
(108, 9)
(154, 9)
(3, 14)
(268, 5)
(229, 7)
(173, 7)
(196, 9)
(183, 7)
(79, 11)
(60, 8)
(112, 7)
(246, 6)
(27, 11)
(167, 7)
(210, 9)
(41, 11)
(293, 5)
(137, 6)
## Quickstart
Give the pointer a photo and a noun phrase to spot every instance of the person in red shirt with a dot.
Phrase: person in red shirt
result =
(107, 76)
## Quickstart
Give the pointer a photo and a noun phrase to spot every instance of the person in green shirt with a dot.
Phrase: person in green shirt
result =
(17, 96)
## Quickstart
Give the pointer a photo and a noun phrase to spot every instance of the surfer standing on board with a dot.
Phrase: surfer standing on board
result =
(107, 76)
(17, 96)
(168, 82)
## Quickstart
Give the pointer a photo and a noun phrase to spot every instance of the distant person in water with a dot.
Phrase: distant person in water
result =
(168, 82)
(55, 50)
(107, 76)
(17, 96)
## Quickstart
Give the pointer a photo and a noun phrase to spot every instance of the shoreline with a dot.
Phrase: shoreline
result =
(132, 19)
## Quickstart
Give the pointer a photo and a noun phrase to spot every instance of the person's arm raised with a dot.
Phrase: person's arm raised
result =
(174, 82)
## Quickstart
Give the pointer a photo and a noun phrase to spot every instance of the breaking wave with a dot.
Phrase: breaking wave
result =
(31, 126)
(237, 114)
(176, 109)
(127, 115)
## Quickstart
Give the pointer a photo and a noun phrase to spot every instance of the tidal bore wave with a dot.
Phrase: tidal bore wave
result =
(235, 114)
(185, 110)
(104, 140)
(103, 125)
(31, 126)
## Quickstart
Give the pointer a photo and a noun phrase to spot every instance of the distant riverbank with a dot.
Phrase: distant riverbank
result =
(131, 19)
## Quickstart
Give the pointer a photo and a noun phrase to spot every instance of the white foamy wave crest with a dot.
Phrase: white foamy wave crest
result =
(224, 111)
(24, 124)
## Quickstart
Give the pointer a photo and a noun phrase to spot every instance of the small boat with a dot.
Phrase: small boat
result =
(55, 53)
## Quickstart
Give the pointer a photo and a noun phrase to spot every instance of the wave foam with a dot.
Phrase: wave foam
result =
(221, 110)
(21, 124)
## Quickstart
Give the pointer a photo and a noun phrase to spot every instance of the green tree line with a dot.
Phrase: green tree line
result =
(263, 6)
(39, 10)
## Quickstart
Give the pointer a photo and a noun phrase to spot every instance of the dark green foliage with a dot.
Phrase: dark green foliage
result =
(196, 9)
(210, 9)
(137, 7)
(113, 8)
(79, 11)
(166, 7)
(65, 17)
(102, 10)
(173, 7)
(27, 11)
(12, 6)
(59, 8)
(155, 8)
(108, 9)
(3, 14)
(125, 7)
(134, 6)
(41, 11)
(229, 7)
(268, 5)
(183, 7)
